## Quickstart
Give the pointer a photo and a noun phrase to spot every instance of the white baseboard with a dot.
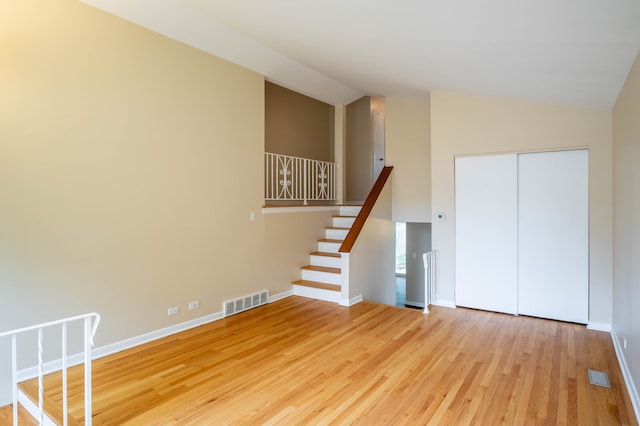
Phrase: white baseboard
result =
(99, 352)
(102, 351)
(155, 335)
(352, 301)
(599, 326)
(444, 303)
(280, 296)
(628, 379)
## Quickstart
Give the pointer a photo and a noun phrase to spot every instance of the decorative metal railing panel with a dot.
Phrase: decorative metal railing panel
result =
(91, 322)
(290, 178)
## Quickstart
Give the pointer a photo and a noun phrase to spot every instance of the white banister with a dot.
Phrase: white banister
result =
(91, 322)
(290, 178)
(429, 260)
(40, 378)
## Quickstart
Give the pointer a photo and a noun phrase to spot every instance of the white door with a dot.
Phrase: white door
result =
(378, 144)
(553, 229)
(486, 232)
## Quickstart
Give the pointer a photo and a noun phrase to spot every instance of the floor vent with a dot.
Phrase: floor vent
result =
(599, 378)
(241, 304)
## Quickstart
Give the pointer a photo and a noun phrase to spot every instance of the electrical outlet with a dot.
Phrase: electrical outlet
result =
(173, 311)
(194, 305)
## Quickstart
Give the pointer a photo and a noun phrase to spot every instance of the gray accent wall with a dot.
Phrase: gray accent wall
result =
(298, 125)
(358, 167)
(418, 242)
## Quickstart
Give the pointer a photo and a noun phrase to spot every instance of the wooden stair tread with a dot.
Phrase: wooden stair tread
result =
(325, 254)
(327, 240)
(348, 217)
(322, 269)
(338, 228)
(315, 284)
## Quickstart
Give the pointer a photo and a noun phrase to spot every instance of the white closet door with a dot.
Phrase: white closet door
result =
(486, 232)
(553, 229)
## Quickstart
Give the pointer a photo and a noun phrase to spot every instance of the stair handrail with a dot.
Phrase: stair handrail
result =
(365, 211)
(89, 333)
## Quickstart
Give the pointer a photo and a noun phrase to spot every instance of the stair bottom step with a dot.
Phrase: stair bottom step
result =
(318, 285)
(317, 291)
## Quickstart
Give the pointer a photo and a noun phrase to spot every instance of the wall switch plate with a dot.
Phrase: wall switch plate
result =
(194, 305)
(252, 216)
(173, 311)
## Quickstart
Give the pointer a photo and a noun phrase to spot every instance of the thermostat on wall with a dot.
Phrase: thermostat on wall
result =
(440, 216)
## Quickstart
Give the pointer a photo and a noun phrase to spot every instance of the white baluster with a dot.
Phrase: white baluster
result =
(40, 378)
(65, 414)
(87, 371)
(14, 377)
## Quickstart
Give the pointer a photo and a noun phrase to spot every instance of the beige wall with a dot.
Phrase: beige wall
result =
(129, 165)
(298, 125)
(626, 225)
(408, 149)
(371, 261)
(463, 125)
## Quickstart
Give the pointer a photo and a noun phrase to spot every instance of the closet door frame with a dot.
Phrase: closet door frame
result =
(490, 262)
(486, 232)
(553, 235)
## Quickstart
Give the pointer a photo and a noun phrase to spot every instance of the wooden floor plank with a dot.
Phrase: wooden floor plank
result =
(24, 418)
(303, 361)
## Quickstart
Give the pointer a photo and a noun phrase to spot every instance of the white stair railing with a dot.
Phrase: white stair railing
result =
(89, 332)
(429, 260)
(290, 178)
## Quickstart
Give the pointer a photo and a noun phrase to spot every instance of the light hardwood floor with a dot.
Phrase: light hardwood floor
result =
(302, 361)
(24, 418)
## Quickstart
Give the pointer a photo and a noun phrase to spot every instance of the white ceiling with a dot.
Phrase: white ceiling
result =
(575, 52)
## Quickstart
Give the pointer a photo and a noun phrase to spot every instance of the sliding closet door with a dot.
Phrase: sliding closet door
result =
(486, 232)
(553, 229)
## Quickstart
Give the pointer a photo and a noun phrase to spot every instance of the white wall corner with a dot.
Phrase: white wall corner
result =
(628, 379)
(444, 303)
(599, 326)
(352, 301)
(344, 283)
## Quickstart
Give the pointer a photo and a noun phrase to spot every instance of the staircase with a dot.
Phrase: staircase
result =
(322, 278)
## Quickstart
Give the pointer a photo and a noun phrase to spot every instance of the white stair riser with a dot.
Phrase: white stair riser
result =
(349, 210)
(343, 222)
(329, 247)
(321, 277)
(316, 293)
(336, 234)
(329, 262)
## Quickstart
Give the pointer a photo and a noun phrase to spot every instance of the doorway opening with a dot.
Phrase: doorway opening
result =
(413, 239)
(401, 264)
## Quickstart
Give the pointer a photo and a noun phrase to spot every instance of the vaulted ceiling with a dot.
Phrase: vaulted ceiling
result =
(573, 52)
